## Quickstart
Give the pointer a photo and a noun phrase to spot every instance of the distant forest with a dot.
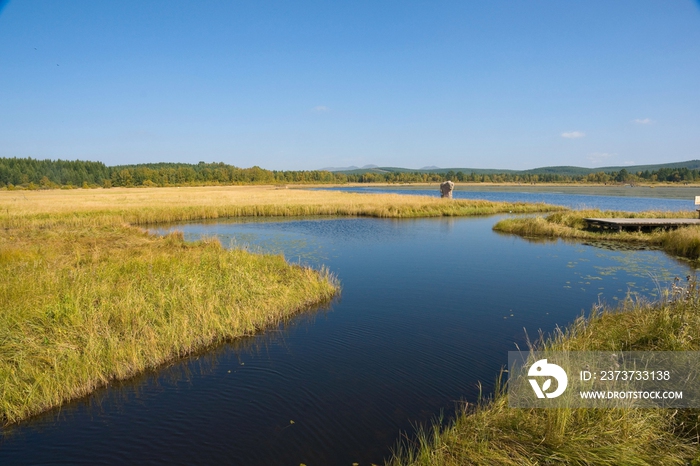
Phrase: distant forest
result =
(28, 173)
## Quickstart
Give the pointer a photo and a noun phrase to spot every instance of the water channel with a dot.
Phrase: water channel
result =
(428, 311)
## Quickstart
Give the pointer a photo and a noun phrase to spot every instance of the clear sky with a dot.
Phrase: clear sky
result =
(305, 85)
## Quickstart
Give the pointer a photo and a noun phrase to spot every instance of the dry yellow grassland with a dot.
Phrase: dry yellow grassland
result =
(146, 205)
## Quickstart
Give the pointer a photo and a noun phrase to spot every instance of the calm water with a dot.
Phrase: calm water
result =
(628, 203)
(429, 309)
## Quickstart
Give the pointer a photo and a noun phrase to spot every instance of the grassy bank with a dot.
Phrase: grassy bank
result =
(87, 297)
(153, 205)
(491, 433)
(684, 242)
(82, 305)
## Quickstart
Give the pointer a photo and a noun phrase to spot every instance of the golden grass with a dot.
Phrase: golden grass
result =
(155, 205)
(492, 433)
(86, 297)
(684, 242)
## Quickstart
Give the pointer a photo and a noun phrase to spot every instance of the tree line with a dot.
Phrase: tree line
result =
(31, 173)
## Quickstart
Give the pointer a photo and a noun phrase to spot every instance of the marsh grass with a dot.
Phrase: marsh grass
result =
(81, 307)
(684, 241)
(165, 205)
(87, 297)
(491, 433)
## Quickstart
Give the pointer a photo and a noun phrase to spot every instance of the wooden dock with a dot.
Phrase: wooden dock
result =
(639, 224)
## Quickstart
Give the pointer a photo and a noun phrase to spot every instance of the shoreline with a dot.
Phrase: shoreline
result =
(654, 191)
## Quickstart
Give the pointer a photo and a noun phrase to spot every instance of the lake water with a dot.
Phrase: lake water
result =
(429, 309)
(634, 199)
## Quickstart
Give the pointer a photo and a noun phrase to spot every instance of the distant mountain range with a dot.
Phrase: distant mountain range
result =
(348, 169)
(562, 170)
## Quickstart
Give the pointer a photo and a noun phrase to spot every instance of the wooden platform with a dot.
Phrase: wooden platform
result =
(638, 224)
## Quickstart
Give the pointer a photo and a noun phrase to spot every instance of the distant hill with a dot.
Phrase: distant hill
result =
(690, 165)
(560, 170)
(348, 169)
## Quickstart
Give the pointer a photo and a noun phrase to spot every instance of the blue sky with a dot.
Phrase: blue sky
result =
(305, 85)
